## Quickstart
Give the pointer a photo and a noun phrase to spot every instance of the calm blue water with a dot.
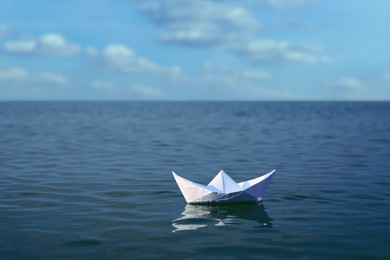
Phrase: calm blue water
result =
(93, 179)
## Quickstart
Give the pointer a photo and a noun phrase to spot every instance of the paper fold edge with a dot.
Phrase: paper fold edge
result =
(191, 190)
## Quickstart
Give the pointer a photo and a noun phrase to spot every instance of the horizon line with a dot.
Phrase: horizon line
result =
(190, 100)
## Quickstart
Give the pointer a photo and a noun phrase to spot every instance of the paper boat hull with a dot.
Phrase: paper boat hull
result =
(251, 191)
(235, 197)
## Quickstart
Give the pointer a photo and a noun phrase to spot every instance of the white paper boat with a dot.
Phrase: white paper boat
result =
(224, 189)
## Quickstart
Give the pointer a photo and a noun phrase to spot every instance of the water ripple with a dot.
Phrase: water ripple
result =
(93, 180)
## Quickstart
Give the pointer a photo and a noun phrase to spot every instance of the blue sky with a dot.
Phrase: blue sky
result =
(194, 50)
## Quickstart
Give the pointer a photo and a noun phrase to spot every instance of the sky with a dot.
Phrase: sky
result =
(194, 50)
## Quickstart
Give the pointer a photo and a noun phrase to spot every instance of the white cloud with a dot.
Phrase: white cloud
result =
(51, 43)
(386, 77)
(253, 75)
(121, 58)
(241, 85)
(4, 30)
(200, 22)
(348, 83)
(22, 46)
(278, 52)
(55, 43)
(291, 24)
(284, 5)
(351, 88)
(91, 51)
(55, 79)
(103, 85)
(145, 92)
(136, 91)
(222, 82)
(14, 76)
(228, 25)
(240, 74)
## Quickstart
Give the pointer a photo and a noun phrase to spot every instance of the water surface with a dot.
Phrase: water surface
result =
(93, 179)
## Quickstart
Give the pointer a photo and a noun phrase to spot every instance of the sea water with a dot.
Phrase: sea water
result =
(93, 179)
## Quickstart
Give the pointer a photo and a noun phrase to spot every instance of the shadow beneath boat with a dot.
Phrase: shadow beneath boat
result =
(200, 216)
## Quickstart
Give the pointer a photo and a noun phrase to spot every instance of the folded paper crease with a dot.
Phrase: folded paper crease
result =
(224, 189)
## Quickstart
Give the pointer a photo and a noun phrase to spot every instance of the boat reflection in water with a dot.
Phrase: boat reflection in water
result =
(199, 216)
